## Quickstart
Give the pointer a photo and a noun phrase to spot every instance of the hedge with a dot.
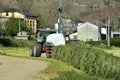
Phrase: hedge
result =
(90, 60)
(7, 42)
(115, 42)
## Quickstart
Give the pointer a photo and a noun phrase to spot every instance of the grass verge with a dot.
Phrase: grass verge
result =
(15, 51)
(63, 71)
(58, 70)
(113, 50)
(54, 68)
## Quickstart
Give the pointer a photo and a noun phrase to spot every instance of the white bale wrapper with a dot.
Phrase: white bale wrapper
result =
(56, 39)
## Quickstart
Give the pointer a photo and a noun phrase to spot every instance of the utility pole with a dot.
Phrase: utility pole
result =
(19, 21)
(60, 22)
(108, 35)
(19, 24)
(107, 3)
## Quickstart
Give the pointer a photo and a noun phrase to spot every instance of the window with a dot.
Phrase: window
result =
(30, 23)
(33, 23)
(7, 14)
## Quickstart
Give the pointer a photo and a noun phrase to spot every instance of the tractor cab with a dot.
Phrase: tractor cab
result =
(44, 32)
(41, 46)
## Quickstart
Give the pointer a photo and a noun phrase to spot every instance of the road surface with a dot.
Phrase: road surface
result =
(12, 68)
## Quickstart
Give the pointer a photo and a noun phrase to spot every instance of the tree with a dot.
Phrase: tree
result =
(12, 26)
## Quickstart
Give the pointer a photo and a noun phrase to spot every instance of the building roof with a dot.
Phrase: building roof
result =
(100, 24)
(27, 14)
(116, 32)
(87, 23)
(78, 21)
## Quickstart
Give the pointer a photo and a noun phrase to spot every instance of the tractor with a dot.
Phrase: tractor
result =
(45, 41)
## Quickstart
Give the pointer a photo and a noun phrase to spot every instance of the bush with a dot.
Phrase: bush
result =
(5, 42)
(98, 43)
(115, 42)
(90, 60)
(15, 43)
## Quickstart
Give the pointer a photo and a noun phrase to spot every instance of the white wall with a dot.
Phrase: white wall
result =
(88, 31)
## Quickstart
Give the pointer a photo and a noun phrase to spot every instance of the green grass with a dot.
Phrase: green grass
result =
(103, 45)
(54, 68)
(113, 50)
(15, 51)
(73, 75)
(63, 71)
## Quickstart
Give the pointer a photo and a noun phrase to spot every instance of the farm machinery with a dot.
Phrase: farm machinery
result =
(46, 39)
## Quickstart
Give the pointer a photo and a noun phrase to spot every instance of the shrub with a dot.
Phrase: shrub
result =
(5, 42)
(15, 43)
(115, 42)
(90, 60)
(98, 43)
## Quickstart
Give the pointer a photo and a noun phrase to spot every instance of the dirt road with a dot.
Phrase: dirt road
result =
(12, 68)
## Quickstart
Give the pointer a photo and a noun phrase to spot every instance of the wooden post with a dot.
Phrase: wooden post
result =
(108, 36)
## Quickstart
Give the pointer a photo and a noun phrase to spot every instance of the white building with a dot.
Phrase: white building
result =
(88, 31)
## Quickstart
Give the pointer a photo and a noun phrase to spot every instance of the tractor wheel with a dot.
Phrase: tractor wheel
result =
(38, 50)
(32, 51)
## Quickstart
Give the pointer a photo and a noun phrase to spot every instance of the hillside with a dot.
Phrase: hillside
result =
(86, 10)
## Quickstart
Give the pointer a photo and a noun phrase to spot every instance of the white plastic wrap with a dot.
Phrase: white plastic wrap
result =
(56, 39)
(103, 30)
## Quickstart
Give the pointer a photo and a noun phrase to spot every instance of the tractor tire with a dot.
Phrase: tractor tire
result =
(31, 53)
(38, 50)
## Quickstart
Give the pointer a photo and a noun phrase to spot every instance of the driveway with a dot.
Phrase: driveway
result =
(12, 68)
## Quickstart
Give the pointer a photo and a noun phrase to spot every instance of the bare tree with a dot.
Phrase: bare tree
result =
(107, 3)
